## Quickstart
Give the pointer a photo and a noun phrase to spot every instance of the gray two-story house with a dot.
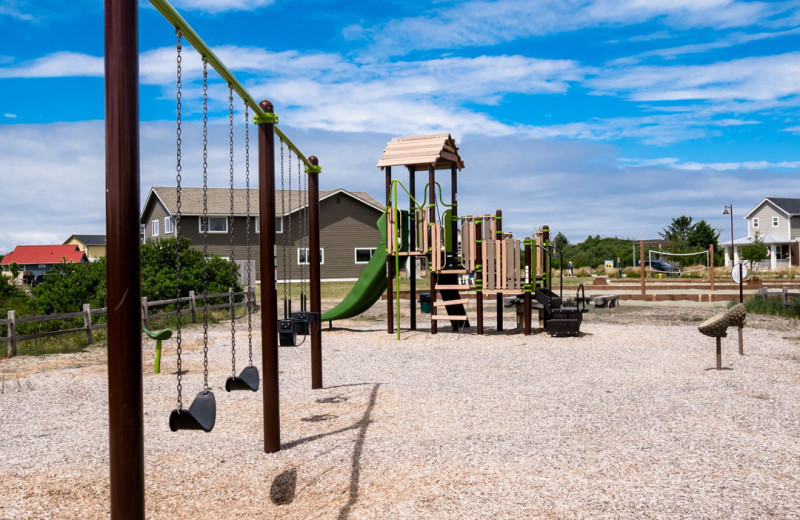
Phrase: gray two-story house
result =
(777, 220)
(348, 232)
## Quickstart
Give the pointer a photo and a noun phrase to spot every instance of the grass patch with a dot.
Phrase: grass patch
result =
(771, 307)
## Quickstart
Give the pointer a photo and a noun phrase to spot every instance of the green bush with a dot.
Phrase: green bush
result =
(773, 306)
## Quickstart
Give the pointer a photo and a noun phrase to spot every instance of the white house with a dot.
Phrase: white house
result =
(777, 220)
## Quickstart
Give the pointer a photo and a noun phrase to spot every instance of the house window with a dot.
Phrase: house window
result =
(755, 222)
(155, 228)
(215, 224)
(167, 224)
(302, 256)
(363, 254)
(278, 225)
(774, 221)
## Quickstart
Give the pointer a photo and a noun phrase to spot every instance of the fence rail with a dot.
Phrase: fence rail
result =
(189, 306)
(784, 293)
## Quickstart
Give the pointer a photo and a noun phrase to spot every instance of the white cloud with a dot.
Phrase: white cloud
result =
(219, 6)
(56, 65)
(481, 22)
(677, 164)
(55, 179)
(10, 116)
(759, 78)
(9, 8)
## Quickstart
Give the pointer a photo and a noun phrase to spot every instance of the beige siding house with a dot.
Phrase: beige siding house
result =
(348, 232)
(777, 220)
(93, 245)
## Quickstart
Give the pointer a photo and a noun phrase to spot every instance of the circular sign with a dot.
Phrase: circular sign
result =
(735, 272)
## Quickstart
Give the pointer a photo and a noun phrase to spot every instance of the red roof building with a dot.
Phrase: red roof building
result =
(43, 256)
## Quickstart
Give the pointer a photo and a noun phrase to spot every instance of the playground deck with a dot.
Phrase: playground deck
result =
(623, 422)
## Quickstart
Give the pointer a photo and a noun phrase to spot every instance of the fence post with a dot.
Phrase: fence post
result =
(87, 322)
(145, 313)
(12, 333)
(193, 306)
(763, 293)
(785, 295)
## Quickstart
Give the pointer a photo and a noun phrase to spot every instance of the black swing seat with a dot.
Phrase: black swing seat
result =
(247, 380)
(201, 415)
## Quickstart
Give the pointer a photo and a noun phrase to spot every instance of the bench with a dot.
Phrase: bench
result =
(606, 300)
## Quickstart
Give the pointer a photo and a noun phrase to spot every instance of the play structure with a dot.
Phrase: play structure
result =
(456, 249)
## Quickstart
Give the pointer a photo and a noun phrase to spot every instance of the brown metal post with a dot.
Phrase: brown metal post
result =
(314, 274)
(389, 258)
(641, 262)
(499, 296)
(125, 408)
(719, 353)
(530, 279)
(711, 263)
(434, 247)
(269, 292)
(479, 270)
(412, 245)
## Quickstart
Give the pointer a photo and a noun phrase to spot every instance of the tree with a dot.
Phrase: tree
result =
(755, 251)
(159, 270)
(14, 268)
(69, 285)
(561, 241)
(702, 236)
(677, 233)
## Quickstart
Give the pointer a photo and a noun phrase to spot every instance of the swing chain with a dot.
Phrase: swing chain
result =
(304, 229)
(205, 222)
(289, 238)
(249, 256)
(283, 237)
(178, 336)
(230, 232)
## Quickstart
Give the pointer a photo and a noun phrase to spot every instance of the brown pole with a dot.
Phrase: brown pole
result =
(711, 263)
(269, 292)
(123, 272)
(314, 274)
(479, 273)
(412, 245)
(454, 213)
(499, 296)
(528, 285)
(434, 247)
(389, 258)
(641, 262)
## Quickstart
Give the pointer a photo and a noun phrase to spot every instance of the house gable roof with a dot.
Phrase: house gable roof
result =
(88, 240)
(219, 202)
(421, 151)
(788, 206)
(49, 254)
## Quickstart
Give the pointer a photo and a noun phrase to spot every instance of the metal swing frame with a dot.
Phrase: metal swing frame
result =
(126, 417)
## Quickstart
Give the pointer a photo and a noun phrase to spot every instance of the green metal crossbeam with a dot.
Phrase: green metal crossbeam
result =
(177, 21)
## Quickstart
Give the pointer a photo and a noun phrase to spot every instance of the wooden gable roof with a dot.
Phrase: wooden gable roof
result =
(421, 151)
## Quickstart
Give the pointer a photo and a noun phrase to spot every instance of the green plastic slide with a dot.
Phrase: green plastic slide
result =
(370, 285)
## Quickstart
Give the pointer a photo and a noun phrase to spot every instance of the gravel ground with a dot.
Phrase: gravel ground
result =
(626, 421)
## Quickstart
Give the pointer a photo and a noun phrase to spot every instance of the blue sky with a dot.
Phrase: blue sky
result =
(605, 117)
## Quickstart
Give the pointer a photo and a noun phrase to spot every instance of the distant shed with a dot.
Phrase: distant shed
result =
(421, 151)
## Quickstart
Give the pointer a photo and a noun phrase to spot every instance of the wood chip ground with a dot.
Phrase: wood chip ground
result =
(626, 421)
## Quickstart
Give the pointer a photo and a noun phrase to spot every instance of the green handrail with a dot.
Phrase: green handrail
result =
(177, 21)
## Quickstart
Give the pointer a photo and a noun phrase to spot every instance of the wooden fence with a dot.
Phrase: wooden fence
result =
(783, 293)
(189, 305)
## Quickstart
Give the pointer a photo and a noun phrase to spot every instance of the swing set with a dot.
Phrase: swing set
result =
(126, 431)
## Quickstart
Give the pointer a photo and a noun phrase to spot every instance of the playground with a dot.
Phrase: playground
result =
(446, 426)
